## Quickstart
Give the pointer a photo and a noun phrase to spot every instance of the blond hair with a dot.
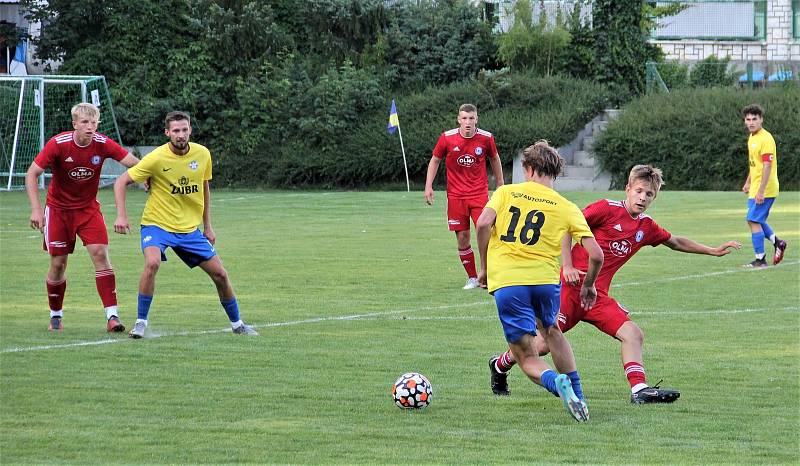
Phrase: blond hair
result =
(648, 174)
(543, 158)
(85, 109)
(469, 108)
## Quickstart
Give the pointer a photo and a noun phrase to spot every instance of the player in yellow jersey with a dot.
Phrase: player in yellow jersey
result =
(519, 239)
(180, 198)
(761, 186)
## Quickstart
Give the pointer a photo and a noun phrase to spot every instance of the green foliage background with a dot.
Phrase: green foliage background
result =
(697, 136)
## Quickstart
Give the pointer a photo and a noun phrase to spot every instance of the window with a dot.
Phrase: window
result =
(715, 20)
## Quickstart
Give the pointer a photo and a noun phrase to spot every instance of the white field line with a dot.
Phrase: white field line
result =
(383, 314)
(700, 275)
(274, 324)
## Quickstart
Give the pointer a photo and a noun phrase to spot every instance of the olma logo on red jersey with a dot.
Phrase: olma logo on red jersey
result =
(466, 160)
(81, 173)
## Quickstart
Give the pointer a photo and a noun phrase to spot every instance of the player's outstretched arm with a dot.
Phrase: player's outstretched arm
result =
(679, 243)
(121, 224)
(484, 230)
(32, 188)
(433, 167)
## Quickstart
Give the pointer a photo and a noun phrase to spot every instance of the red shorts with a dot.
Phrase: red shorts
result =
(607, 314)
(459, 211)
(63, 225)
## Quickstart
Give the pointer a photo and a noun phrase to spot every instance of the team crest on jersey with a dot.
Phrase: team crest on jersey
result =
(620, 248)
(466, 160)
(478, 150)
(80, 173)
(639, 236)
(96, 160)
(193, 164)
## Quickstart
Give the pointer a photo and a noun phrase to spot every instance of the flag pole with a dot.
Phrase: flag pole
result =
(405, 165)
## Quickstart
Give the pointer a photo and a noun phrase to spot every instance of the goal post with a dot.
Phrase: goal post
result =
(35, 108)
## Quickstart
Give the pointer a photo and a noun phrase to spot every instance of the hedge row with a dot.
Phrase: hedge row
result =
(517, 108)
(697, 137)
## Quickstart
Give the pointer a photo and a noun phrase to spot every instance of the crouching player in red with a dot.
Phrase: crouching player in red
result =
(621, 228)
(519, 236)
(75, 159)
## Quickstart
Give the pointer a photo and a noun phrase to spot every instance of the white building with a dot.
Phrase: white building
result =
(758, 31)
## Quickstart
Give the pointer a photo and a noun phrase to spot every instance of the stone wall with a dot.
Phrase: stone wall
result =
(779, 46)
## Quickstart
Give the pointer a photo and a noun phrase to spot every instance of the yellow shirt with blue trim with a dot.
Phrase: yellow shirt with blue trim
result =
(525, 243)
(177, 185)
(760, 149)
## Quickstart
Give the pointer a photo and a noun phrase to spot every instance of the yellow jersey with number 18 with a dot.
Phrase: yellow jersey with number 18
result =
(176, 199)
(760, 149)
(525, 244)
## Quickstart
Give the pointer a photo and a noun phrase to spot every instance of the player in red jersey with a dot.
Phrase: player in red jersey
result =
(75, 159)
(465, 150)
(621, 228)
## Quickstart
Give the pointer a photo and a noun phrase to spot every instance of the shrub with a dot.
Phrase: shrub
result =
(697, 137)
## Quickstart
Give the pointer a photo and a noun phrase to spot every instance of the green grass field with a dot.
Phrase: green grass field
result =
(349, 290)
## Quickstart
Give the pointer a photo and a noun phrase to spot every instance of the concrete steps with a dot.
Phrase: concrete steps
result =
(581, 173)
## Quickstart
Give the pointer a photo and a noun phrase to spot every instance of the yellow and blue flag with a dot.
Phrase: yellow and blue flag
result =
(394, 122)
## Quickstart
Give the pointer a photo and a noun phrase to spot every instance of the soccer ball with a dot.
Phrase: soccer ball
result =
(412, 391)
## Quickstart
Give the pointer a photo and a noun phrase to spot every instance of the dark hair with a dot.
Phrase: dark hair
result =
(176, 116)
(469, 108)
(543, 158)
(753, 109)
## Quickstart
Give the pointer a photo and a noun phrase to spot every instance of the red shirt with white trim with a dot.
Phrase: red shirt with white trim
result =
(619, 235)
(76, 169)
(465, 162)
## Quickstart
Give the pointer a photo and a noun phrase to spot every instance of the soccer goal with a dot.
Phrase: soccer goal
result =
(35, 108)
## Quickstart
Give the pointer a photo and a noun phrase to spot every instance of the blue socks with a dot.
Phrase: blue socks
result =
(231, 308)
(144, 306)
(576, 384)
(758, 243)
(549, 381)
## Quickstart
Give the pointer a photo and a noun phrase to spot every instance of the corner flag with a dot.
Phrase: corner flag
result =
(394, 125)
(394, 122)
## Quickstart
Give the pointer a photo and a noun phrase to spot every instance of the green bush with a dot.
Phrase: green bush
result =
(517, 108)
(697, 136)
(712, 72)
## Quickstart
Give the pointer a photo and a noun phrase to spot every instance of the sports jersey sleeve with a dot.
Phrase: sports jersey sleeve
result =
(47, 155)
(767, 149)
(579, 229)
(658, 235)
(497, 200)
(114, 150)
(493, 147)
(207, 174)
(595, 213)
(142, 171)
(441, 147)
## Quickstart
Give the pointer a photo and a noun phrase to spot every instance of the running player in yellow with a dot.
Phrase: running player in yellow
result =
(519, 239)
(180, 198)
(761, 186)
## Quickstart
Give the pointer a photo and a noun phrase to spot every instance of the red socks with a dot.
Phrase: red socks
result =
(505, 362)
(468, 261)
(55, 294)
(635, 374)
(106, 286)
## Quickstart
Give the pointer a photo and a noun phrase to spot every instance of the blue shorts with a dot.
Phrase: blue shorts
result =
(758, 213)
(193, 248)
(519, 306)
